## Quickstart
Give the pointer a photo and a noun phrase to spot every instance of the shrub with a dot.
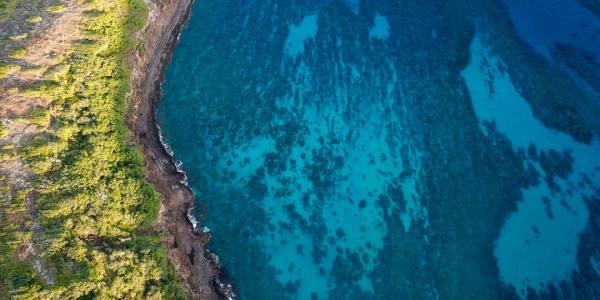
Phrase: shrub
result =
(7, 69)
(55, 8)
(33, 20)
(17, 53)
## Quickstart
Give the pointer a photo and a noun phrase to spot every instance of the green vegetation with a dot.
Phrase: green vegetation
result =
(16, 38)
(6, 7)
(17, 53)
(7, 69)
(33, 19)
(55, 8)
(2, 133)
(95, 209)
(34, 71)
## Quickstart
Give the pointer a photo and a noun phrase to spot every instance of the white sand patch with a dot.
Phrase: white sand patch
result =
(381, 28)
(299, 34)
(535, 248)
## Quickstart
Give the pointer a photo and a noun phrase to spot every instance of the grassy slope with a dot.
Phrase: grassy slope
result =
(95, 208)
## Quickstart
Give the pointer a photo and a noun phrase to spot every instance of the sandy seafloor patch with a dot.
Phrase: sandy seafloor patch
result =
(538, 244)
(379, 150)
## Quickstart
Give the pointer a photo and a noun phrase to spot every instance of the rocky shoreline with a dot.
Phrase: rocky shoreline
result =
(198, 269)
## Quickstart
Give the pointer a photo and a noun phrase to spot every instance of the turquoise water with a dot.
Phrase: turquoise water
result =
(393, 149)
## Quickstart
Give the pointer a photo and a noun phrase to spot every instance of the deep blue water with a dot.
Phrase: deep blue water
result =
(393, 149)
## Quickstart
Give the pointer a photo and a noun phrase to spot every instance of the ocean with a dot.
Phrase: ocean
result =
(347, 149)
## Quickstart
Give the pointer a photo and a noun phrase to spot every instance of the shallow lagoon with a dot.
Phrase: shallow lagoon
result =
(345, 150)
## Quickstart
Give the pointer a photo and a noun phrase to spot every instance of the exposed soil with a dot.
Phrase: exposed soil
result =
(14, 105)
(17, 173)
(57, 41)
(42, 42)
(198, 269)
(45, 43)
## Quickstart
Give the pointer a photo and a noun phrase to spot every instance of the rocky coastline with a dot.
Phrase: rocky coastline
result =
(198, 268)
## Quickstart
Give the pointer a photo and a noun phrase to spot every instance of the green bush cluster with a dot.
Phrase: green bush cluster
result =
(2, 130)
(94, 206)
(6, 7)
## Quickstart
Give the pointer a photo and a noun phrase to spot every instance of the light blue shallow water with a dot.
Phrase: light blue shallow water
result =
(392, 150)
(538, 243)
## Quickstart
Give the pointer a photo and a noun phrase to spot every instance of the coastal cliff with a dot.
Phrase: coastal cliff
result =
(198, 269)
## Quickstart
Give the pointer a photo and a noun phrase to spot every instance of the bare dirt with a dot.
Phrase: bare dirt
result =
(45, 43)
